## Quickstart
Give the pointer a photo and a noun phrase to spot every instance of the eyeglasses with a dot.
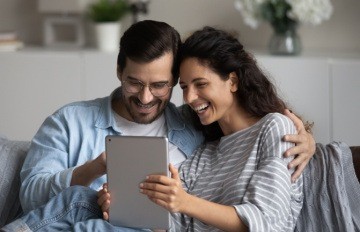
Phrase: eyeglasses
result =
(158, 89)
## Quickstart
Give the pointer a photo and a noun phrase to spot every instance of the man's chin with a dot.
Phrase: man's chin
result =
(145, 118)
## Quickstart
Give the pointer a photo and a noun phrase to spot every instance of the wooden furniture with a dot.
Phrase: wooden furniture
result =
(356, 160)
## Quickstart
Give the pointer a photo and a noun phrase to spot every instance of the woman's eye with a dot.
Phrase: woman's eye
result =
(200, 85)
(183, 87)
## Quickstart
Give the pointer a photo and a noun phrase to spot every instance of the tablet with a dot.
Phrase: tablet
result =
(129, 159)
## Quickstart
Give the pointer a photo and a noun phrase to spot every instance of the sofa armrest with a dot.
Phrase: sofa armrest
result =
(12, 155)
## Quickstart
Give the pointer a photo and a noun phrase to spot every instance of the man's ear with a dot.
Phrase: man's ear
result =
(234, 82)
(118, 72)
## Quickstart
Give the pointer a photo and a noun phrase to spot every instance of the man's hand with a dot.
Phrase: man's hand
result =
(85, 174)
(304, 149)
(104, 201)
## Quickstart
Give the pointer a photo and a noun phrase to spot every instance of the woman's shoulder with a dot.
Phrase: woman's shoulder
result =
(278, 121)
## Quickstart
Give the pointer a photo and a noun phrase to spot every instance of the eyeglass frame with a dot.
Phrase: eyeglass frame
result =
(169, 87)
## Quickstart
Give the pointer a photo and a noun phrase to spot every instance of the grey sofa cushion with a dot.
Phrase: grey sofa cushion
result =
(12, 155)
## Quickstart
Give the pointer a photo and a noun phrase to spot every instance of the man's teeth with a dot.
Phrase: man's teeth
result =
(201, 107)
(145, 106)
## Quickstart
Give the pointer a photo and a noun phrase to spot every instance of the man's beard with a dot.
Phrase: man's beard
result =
(144, 118)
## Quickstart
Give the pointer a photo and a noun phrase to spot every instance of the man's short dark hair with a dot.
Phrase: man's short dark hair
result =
(148, 40)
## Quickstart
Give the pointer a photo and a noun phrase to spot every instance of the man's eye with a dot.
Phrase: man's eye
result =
(183, 86)
(135, 83)
(158, 85)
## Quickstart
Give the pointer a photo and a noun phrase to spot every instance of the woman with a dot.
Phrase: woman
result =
(238, 180)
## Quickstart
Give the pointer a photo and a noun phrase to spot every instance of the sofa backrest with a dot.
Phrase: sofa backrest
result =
(12, 155)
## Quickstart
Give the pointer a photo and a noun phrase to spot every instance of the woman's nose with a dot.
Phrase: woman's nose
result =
(189, 95)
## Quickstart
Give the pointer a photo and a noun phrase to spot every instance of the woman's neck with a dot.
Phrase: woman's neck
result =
(236, 120)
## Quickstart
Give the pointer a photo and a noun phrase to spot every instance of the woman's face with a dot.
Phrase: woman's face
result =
(211, 97)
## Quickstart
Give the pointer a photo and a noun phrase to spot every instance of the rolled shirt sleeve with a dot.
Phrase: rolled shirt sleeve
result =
(46, 170)
(271, 202)
(266, 203)
(66, 139)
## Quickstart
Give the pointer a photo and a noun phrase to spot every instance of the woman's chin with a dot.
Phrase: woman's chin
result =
(205, 121)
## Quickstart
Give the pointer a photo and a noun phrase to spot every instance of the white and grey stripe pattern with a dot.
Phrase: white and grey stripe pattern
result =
(246, 170)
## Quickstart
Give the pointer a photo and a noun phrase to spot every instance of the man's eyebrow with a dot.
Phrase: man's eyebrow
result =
(135, 79)
(132, 78)
(160, 82)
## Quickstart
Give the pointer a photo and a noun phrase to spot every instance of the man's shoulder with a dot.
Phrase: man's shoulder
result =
(83, 106)
(180, 114)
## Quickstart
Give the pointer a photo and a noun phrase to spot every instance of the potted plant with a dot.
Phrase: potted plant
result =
(284, 17)
(106, 14)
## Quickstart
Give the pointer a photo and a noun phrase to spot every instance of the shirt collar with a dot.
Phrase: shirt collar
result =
(106, 116)
(173, 118)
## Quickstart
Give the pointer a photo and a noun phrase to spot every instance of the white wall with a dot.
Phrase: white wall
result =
(340, 33)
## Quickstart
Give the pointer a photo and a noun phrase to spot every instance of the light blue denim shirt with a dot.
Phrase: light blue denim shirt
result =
(75, 134)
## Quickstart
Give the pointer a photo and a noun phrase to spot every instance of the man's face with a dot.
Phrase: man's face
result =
(143, 107)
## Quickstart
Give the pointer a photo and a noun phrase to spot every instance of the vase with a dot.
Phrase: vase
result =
(285, 42)
(108, 36)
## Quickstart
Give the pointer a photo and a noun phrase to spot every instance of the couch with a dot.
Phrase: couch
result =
(12, 155)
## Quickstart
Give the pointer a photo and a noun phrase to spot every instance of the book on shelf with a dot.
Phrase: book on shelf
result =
(9, 41)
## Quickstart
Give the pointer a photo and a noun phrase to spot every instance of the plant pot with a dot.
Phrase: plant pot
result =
(108, 36)
(285, 43)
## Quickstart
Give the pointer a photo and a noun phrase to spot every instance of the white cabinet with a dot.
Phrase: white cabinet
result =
(345, 113)
(32, 86)
(100, 74)
(304, 85)
(322, 90)
(34, 83)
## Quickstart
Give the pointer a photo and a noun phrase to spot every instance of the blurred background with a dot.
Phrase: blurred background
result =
(340, 33)
(53, 59)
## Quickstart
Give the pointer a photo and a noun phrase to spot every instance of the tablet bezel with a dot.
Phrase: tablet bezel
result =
(129, 160)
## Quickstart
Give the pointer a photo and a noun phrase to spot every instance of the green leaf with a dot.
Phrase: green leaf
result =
(276, 13)
(108, 10)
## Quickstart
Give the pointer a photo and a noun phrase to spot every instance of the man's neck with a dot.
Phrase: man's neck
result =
(118, 106)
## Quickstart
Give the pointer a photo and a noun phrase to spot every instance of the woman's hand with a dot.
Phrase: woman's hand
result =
(304, 149)
(164, 191)
(104, 201)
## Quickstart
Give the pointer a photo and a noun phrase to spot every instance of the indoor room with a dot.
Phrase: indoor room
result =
(66, 89)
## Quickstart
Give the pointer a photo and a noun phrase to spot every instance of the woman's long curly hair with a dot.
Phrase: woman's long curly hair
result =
(223, 53)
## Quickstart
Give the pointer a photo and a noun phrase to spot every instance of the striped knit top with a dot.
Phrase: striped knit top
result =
(246, 170)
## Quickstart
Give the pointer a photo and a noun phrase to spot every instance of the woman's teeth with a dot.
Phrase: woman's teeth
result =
(201, 107)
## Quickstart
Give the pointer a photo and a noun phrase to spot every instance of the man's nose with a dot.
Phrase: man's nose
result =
(145, 95)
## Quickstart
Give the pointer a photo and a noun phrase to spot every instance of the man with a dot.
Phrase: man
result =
(65, 151)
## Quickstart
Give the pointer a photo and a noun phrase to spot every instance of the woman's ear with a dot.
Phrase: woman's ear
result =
(234, 82)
